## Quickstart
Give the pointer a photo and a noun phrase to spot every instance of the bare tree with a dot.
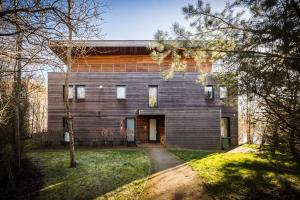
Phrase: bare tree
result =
(67, 74)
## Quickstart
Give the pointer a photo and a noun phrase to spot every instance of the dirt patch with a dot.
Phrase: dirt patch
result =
(171, 179)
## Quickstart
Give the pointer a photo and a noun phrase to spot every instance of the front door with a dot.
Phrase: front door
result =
(152, 130)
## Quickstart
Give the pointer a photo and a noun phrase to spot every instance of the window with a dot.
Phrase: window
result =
(130, 129)
(66, 133)
(121, 92)
(70, 92)
(153, 96)
(80, 92)
(223, 92)
(209, 92)
(225, 127)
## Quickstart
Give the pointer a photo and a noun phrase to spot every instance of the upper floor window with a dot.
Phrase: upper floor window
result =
(80, 92)
(223, 92)
(70, 92)
(153, 93)
(209, 92)
(121, 92)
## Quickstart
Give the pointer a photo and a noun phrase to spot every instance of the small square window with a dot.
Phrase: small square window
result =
(70, 92)
(209, 92)
(80, 92)
(223, 92)
(121, 92)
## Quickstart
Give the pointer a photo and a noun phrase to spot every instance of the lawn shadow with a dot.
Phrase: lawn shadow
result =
(256, 185)
(27, 181)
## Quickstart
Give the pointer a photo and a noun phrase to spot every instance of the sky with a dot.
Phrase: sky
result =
(140, 19)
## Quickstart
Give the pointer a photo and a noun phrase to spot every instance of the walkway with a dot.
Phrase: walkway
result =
(171, 178)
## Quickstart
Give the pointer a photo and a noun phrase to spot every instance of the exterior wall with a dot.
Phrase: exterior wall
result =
(193, 128)
(190, 120)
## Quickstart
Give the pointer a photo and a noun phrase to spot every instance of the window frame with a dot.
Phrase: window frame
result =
(76, 93)
(153, 86)
(228, 127)
(222, 98)
(213, 92)
(123, 86)
(135, 127)
(70, 99)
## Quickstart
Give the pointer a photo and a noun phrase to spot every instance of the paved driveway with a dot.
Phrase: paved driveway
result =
(171, 178)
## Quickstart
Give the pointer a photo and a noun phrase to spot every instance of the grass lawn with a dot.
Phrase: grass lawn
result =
(100, 174)
(244, 175)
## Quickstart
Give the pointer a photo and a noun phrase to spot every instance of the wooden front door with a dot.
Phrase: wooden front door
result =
(152, 130)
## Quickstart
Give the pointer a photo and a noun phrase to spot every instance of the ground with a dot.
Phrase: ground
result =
(171, 178)
(240, 175)
(100, 173)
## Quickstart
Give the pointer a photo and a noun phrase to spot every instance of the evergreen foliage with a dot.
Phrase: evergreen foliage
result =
(257, 40)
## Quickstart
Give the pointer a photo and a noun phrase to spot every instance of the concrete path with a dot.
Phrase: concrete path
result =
(171, 178)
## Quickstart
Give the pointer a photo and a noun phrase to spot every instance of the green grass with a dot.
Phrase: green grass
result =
(100, 173)
(244, 175)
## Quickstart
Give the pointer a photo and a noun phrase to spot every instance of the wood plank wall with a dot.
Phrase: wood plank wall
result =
(190, 119)
(129, 63)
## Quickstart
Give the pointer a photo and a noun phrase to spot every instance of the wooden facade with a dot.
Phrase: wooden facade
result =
(184, 117)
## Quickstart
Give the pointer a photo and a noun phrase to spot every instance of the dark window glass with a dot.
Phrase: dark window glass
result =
(209, 92)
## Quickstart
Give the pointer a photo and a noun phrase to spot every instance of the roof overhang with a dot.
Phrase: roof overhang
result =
(148, 112)
(101, 47)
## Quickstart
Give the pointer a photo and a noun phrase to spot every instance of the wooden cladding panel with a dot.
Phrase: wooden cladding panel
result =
(142, 129)
(127, 63)
(191, 121)
(197, 128)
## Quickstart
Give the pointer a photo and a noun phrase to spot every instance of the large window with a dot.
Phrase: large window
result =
(70, 92)
(223, 92)
(225, 131)
(153, 96)
(121, 92)
(80, 92)
(130, 129)
(209, 92)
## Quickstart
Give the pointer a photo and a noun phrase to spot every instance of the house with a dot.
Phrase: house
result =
(117, 86)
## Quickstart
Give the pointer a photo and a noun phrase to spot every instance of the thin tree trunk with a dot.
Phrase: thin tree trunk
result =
(67, 106)
(17, 85)
(248, 121)
(295, 152)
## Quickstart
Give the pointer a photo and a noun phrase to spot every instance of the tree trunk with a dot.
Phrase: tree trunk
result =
(67, 106)
(17, 86)
(295, 152)
(248, 121)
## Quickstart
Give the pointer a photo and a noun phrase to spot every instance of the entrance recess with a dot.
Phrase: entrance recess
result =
(152, 130)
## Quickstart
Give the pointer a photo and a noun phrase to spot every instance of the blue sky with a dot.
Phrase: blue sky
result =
(140, 19)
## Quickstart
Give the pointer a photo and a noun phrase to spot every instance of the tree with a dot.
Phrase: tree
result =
(67, 106)
(26, 29)
(260, 40)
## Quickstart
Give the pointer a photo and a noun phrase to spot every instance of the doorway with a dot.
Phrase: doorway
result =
(152, 130)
